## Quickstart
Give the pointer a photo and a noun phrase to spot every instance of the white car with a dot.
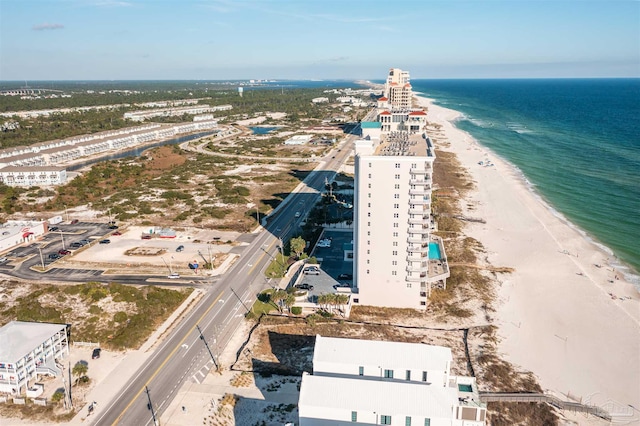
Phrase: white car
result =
(297, 214)
(324, 243)
(173, 275)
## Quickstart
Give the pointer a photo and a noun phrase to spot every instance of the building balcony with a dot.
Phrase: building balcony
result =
(421, 248)
(418, 239)
(420, 181)
(416, 278)
(418, 209)
(418, 220)
(420, 171)
(420, 191)
(422, 268)
(424, 230)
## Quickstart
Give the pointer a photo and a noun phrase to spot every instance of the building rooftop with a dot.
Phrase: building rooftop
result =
(388, 354)
(403, 144)
(18, 338)
(380, 396)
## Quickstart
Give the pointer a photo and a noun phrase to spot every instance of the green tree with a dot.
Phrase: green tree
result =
(278, 296)
(79, 370)
(297, 245)
(289, 300)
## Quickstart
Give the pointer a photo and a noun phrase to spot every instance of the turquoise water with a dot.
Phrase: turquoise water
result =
(260, 130)
(576, 142)
(434, 251)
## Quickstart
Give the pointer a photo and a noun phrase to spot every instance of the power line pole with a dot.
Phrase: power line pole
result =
(213, 358)
(150, 406)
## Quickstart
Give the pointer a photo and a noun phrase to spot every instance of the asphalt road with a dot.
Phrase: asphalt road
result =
(219, 313)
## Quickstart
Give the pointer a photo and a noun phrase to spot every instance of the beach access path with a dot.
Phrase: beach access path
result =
(564, 313)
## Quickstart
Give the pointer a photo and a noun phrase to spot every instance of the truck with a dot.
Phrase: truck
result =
(55, 220)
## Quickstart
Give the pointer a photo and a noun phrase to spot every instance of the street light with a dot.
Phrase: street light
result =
(62, 238)
(66, 212)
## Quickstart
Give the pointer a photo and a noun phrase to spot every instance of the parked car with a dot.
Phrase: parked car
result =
(54, 229)
(173, 275)
(326, 243)
(64, 252)
(304, 286)
(3, 259)
(54, 256)
(146, 237)
(345, 277)
(180, 248)
(311, 270)
(96, 353)
(297, 214)
(117, 233)
(74, 221)
(113, 227)
(105, 241)
(75, 245)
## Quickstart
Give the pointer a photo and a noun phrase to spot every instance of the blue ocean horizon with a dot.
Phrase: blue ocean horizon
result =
(575, 141)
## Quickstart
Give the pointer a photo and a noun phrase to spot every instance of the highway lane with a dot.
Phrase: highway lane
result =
(219, 313)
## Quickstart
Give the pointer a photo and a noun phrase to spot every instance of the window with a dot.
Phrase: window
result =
(397, 165)
(369, 164)
(408, 375)
(395, 224)
(427, 422)
(368, 251)
(397, 176)
(394, 195)
(424, 376)
(394, 272)
(396, 206)
(408, 285)
(395, 215)
(394, 262)
(394, 252)
(361, 371)
(395, 244)
(368, 204)
(385, 420)
(356, 300)
(368, 214)
(368, 233)
(367, 271)
(368, 261)
(368, 223)
(388, 374)
(368, 242)
(413, 165)
(369, 175)
(354, 416)
(395, 234)
(407, 421)
(397, 186)
(369, 195)
(369, 185)
(423, 303)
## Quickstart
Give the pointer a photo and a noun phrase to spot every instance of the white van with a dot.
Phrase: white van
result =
(311, 270)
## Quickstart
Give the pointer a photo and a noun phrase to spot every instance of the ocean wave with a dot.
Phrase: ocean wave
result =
(518, 128)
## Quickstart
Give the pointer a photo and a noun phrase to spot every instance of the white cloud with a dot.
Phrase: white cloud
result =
(45, 26)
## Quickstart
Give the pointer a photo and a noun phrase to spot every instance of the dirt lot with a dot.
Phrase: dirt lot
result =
(199, 245)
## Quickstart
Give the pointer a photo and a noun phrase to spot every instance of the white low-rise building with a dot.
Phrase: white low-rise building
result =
(29, 350)
(394, 383)
(33, 176)
(16, 232)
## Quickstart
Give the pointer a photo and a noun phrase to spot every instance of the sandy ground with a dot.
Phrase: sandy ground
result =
(197, 244)
(560, 316)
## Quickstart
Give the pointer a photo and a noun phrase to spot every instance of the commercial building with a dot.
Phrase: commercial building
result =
(15, 232)
(375, 382)
(29, 350)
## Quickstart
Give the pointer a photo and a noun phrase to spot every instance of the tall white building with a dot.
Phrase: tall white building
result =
(396, 259)
(397, 89)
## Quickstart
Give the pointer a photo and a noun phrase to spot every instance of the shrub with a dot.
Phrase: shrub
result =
(296, 310)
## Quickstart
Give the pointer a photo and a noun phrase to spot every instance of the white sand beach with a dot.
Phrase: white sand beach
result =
(570, 322)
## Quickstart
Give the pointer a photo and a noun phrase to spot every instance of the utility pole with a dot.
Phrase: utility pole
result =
(241, 301)
(66, 212)
(150, 406)
(70, 397)
(41, 258)
(209, 349)
(62, 237)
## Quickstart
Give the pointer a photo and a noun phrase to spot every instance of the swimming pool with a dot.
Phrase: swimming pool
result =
(434, 251)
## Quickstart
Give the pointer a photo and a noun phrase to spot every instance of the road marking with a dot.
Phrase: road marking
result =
(153, 376)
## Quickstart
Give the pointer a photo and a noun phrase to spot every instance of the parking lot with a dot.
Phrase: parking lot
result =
(332, 264)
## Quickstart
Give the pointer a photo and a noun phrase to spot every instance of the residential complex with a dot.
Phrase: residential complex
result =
(174, 111)
(43, 163)
(396, 383)
(30, 349)
(397, 89)
(397, 261)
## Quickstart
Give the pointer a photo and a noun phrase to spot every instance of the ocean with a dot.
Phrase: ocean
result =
(575, 141)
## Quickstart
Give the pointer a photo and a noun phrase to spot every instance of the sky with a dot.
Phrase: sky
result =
(316, 39)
